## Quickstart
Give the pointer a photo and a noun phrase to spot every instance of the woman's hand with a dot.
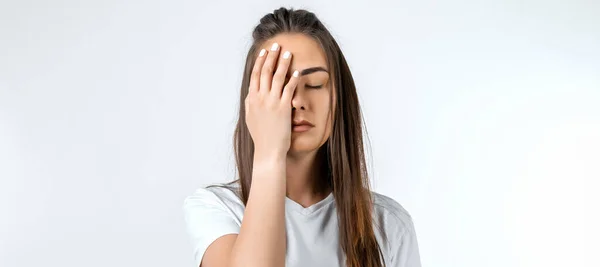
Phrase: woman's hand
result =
(268, 103)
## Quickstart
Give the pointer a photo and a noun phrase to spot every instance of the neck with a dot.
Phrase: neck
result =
(305, 176)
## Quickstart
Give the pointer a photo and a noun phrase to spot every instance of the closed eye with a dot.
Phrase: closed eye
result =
(314, 86)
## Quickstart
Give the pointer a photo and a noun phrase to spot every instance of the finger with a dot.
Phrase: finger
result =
(268, 68)
(290, 88)
(280, 73)
(255, 76)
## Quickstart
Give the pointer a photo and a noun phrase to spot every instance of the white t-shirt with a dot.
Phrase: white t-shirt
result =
(312, 232)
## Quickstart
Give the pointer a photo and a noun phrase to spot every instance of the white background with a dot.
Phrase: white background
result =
(483, 118)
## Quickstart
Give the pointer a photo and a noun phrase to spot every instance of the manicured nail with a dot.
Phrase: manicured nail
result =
(262, 52)
(286, 55)
(295, 74)
(274, 47)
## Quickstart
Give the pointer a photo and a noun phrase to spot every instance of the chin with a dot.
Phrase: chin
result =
(303, 145)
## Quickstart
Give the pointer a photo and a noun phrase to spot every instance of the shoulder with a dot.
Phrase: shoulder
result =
(211, 212)
(397, 231)
(224, 196)
(389, 209)
(393, 222)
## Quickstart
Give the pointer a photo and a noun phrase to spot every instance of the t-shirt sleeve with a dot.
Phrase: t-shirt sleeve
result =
(207, 218)
(406, 254)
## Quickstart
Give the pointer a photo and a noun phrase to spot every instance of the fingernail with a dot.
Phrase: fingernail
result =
(286, 55)
(274, 47)
(295, 74)
(262, 52)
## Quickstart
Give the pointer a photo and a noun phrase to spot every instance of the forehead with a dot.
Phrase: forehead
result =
(306, 52)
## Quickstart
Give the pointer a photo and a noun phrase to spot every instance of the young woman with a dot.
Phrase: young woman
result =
(302, 197)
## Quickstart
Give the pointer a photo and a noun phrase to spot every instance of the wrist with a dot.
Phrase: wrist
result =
(269, 157)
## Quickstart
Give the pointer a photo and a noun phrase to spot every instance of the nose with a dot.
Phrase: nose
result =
(298, 100)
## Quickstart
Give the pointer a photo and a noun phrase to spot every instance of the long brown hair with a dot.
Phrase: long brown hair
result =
(345, 167)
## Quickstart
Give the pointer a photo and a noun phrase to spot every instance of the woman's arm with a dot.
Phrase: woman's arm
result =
(261, 241)
(262, 236)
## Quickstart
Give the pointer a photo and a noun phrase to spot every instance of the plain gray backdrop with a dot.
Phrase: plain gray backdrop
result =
(483, 119)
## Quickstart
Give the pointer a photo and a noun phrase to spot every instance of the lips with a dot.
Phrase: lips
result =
(302, 122)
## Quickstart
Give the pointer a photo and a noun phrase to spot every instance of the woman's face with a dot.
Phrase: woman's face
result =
(311, 98)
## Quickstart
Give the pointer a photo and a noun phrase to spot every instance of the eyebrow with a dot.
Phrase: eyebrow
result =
(312, 70)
